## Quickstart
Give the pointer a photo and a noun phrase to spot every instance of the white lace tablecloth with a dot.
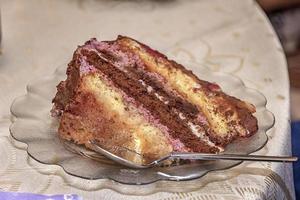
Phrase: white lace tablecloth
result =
(232, 36)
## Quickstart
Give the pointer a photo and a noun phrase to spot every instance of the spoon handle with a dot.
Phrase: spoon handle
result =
(204, 156)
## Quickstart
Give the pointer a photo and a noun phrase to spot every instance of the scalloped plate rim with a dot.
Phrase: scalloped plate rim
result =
(160, 178)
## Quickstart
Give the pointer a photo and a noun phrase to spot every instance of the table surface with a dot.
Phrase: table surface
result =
(235, 37)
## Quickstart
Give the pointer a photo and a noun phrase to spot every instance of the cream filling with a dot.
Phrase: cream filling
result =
(195, 130)
(200, 134)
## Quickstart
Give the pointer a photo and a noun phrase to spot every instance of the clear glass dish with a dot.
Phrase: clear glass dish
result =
(34, 126)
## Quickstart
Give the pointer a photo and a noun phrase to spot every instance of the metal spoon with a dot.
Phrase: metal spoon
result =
(189, 156)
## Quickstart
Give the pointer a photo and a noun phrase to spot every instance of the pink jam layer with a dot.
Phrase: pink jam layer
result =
(85, 67)
(123, 59)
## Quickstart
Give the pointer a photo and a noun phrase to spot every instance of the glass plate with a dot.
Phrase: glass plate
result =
(34, 126)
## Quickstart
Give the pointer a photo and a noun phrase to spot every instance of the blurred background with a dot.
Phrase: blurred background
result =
(285, 18)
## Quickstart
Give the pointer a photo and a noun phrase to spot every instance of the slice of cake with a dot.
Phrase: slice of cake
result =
(122, 93)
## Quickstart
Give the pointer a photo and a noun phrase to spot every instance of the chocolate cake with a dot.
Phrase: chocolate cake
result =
(122, 93)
